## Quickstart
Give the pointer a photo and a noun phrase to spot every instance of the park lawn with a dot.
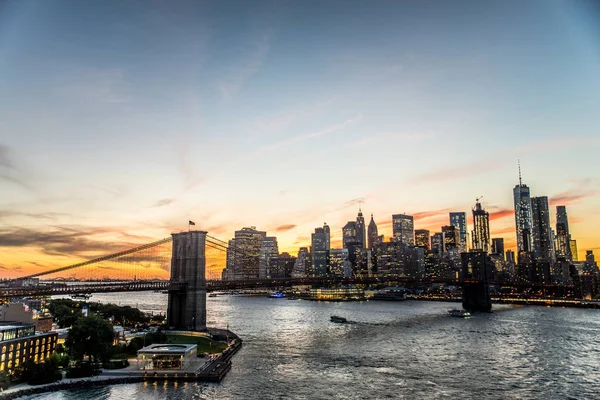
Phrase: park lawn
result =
(205, 345)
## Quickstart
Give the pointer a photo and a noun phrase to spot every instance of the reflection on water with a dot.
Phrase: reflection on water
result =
(396, 350)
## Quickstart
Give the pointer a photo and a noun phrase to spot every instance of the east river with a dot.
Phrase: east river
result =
(410, 350)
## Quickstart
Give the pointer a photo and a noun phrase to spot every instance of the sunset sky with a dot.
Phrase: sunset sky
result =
(120, 121)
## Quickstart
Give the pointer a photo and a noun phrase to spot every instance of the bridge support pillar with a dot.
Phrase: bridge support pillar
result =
(187, 297)
(476, 267)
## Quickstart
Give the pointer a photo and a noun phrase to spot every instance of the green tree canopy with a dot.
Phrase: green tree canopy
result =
(90, 336)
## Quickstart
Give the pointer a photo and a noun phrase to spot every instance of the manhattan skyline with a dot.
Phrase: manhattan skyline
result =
(122, 122)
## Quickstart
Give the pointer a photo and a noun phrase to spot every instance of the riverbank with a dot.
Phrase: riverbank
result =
(214, 370)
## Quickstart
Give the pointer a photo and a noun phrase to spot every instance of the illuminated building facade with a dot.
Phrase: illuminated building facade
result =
(19, 343)
(320, 241)
(403, 227)
(563, 237)
(339, 263)
(437, 243)
(451, 237)
(422, 239)
(459, 220)
(573, 247)
(243, 253)
(267, 258)
(542, 248)
(481, 231)
(522, 201)
(302, 268)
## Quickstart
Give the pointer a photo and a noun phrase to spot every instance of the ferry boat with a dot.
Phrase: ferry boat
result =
(459, 313)
(277, 295)
(81, 296)
(339, 320)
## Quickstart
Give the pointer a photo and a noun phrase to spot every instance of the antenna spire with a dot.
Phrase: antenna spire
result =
(519, 164)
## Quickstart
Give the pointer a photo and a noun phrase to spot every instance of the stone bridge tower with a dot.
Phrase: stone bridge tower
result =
(187, 294)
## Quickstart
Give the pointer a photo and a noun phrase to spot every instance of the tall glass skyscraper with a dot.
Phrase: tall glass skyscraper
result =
(541, 231)
(403, 228)
(522, 216)
(360, 229)
(562, 233)
(459, 220)
(320, 250)
(481, 231)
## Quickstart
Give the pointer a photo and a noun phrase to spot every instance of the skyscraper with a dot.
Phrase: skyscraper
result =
(267, 258)
(361, 236)
(498, 247)
(451, 237)
(349, 234)
(573, 248)
(437, 243)
(459, 220)
(562, 233)
(302, 265)
(481, 228)
(320, 250)
(422, 238)
(540, 229)
(372, 233)
(523, 221)
(244, 252)
(403, 228)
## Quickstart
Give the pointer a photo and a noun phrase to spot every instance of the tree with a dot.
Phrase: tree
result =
(91, 336)
(38, 373)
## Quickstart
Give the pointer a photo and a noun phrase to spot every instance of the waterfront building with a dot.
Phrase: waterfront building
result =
(267, 258)
(167, 356)
(498, 247)
(372, 233)
(541, 232)
(403, 228)
(523, 222)
(320, 242)
(338, 293)
(19, 342)
(481, 231)
(562, 234)
(339, 263)
(459, 220)
(243, 253)
(422, 239)
(23, 314)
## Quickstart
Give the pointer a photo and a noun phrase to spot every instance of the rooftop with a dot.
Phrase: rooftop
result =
(167, 348)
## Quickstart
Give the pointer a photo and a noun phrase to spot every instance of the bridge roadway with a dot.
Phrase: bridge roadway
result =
(217, 285)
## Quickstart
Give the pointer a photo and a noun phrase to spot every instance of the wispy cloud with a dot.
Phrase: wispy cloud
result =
(284, 228)
(278, 122)
(163, 202)
(570, 197)
(229, 86)
(393, 137)
(8, 169)
(449, 172)
(95, 85)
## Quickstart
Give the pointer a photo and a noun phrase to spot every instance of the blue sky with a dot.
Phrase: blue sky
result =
(129, 118)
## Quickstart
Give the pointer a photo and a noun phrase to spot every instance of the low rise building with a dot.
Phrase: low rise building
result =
(19, 342)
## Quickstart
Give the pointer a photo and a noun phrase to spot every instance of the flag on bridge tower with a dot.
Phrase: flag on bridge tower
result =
(192, 223)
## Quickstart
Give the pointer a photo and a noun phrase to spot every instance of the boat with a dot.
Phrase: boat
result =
(339, 320)
(212, 295)
(459, 313)
(277, 295)
(81, 296)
